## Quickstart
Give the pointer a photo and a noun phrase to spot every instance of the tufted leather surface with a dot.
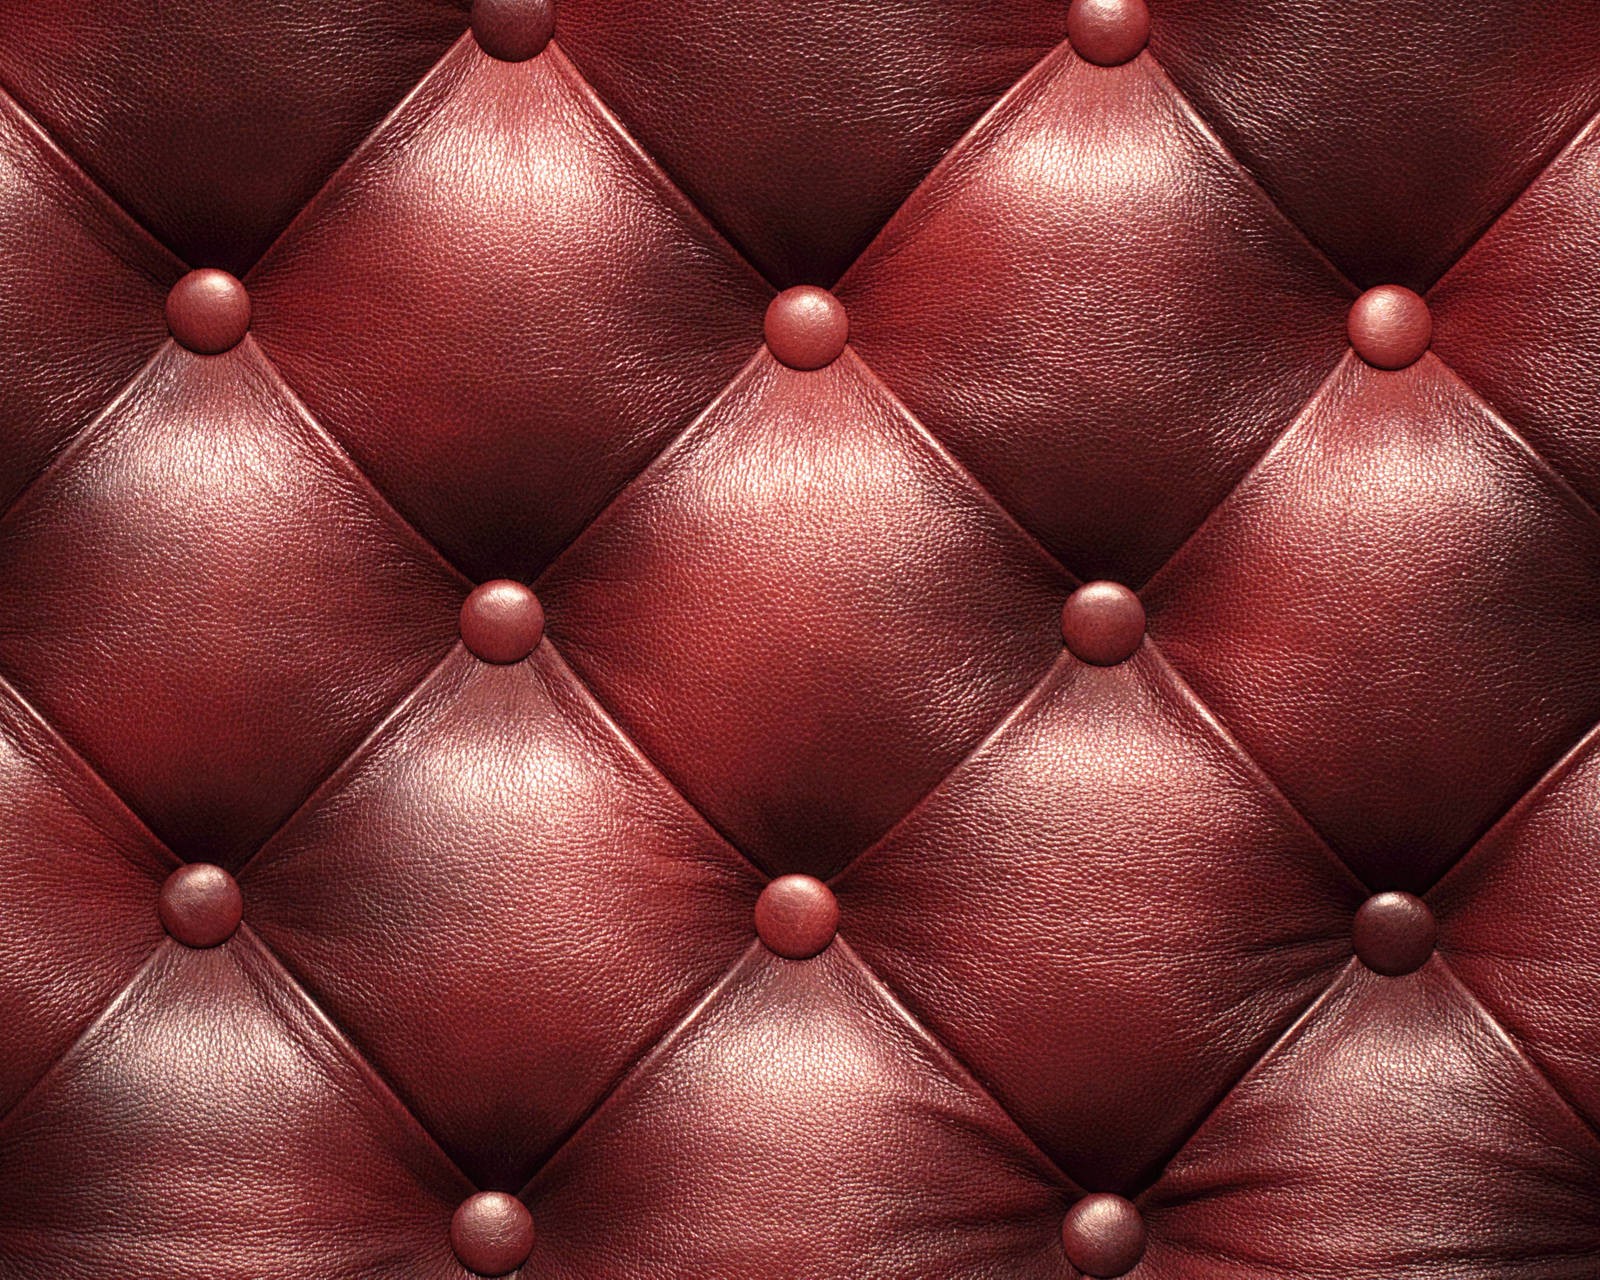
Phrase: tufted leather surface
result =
(799, 641)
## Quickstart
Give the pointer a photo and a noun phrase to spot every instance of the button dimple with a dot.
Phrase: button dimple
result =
(502, 621)
(200, 905)
(1104, 1236)
(491, 1233)
(513, 30)
(208, 312)
(1390, 326)
(1102, 623)
(1395, 933)
(806, 327)
(797, 916)
(1108, 32)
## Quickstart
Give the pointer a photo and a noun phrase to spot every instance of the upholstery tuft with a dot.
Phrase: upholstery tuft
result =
(208, 311)
(513, 30)
(492, 1233)
(806, 328)
(1104, 1236)
(1390, 327)
(1103, 623)
(201, 905)
(907, 640)
(797, 916)
(501, 621)
(1395, 933)
(1108, 32)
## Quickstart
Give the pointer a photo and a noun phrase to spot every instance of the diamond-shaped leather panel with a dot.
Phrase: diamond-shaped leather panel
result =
(899, 640)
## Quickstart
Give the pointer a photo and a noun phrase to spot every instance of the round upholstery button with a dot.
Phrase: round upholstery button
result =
(806, 327)
(1108, 32)
(491, 1233)
(797, 916)
(1102, 623)
(502, 621)
(1390, 326)
(1104, 1236)
(1395, 933)
(200, 905)
(513, 30)
(208, 312)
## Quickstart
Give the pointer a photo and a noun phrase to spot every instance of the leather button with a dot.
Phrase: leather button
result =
(491, 1233)
(1108, 32)
(1104, 1236)
(502, 621)
(200, 905)
(806, 327)
(1102, 623)
(513, 30)
(797, 916)
(1390, 326)
(208, 312)
(1395, 933)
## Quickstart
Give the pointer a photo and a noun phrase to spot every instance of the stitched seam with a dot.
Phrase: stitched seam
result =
(84, 434)
(653, 1052)
(1540, 1077)
(342, 459)
(74, 167)
(95, 1023)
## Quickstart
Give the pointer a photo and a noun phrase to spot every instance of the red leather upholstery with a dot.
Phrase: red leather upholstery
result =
(898, 640)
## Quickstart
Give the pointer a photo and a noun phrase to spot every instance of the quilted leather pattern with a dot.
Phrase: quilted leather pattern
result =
(798, 640)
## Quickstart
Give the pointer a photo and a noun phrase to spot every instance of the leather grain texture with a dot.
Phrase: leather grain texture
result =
(799, 640)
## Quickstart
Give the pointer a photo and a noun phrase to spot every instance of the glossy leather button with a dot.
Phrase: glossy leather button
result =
(1102, 623)
(513, 30)
(797, 916)
(208, 312)
(1390, 326)
(502, 621)
(491, 1233)
(806, 327)
(1104, 1236)
(1395, 933)
(200, 905)
(1108, 32)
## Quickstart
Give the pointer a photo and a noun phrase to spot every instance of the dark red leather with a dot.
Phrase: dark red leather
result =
(937, 640)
